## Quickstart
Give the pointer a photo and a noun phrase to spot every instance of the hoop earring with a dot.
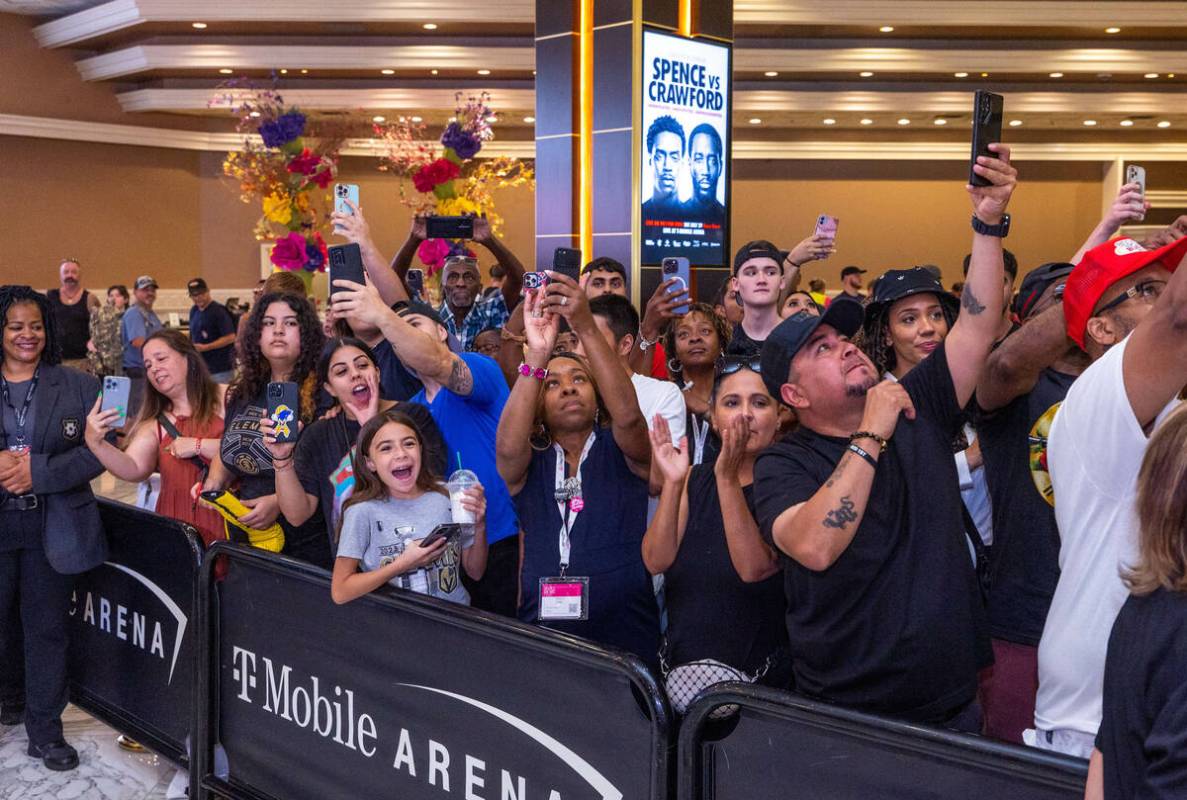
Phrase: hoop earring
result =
(674, 366)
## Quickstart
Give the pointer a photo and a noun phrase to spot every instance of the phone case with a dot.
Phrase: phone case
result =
(449, 227)
(282, 410)
(342, 193)
(826, 225)
(678, 267)
(415, 279)
(346, 264)
(987, 129)
(116, 390)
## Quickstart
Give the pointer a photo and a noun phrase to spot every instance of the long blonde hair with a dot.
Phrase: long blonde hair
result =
(1162, 511)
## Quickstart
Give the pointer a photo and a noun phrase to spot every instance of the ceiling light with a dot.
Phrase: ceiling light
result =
(1112, 30)
(867, 121)
(284, 72)
(887, 29)
(1127, 123)
(417, 119)
(940, 121)
(225, 71)
(1164, 123)
(529, 120)
(1090, 122)
(1170, 74)
(829, 121)
(433, 71)
(429, 26)
(1014, 123)
(484, 72)
(960, 74)
(198, 25)
(387, 72)
(304, 72)
(904, 121)
(1056, 75)
(866, 74)
(984, 74)
(755, 121)
(1151, 75)
(771, 74)
(379, 119)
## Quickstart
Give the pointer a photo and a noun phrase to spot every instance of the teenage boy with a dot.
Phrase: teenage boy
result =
(758, 273)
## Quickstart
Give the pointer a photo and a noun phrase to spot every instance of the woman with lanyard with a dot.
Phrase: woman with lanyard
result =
(724, 595)
(317, 470)
(581, 491)
(281, 342)
(48, 515)
(696, 341)
(178, 432)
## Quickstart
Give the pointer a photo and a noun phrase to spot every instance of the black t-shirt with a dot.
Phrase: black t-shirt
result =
(207, 325)
(73, 323)
(1143, 733)
(395, 381)
(740, 343)
(896, 624)
(1024, 565)
(711, 612)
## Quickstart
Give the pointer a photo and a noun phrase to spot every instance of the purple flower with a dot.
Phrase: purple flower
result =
(282, 130)
(461, 141)
(314, 257)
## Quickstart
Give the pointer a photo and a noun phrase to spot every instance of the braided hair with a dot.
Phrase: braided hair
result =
(11, 295)
(875, 335)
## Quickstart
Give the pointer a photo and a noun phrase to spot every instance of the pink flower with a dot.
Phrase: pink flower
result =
(289, 253)
(323, 178)
(306, 163)
(432, 252)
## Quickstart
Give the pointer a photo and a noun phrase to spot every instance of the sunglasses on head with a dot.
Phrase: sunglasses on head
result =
(728, 365)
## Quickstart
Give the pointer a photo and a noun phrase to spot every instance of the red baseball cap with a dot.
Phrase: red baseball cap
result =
(1101, 267)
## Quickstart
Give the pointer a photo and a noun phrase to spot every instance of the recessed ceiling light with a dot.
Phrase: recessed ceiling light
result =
(940, 121)
(960, 74)
(984, 74)
(225, 71)
(867, 121)
(1164, 123)
(284, 72)
(771, 74)
(434, 71)
(1151, 75)
(755, 121)
(1014, 123)
(379, 119)
(198, 25)
(529, 120)
(904, 121)
(1112, 30)
(866, 74)
(1170, 74)
(484, 72)
(829, 121)
(387, 72)
(417, 119)
(304, 72)
(1127, 123)
(429, 26)
(1090, 122)
(1056, 75)
(887, 29)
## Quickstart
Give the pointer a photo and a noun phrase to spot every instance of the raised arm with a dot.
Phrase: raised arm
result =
(753, 560)
(514, 281)
(657, 315)
(1014, 367)
(511, 346)
(972, 336)
(815, 533)
(1129, 205)
(665, 532)
(296, 504)
(1155, 365)
(416, 235)
(133, 464)
(355, 229)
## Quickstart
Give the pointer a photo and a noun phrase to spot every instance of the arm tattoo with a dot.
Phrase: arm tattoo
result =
(969, 302)
(836, 476)
(460, 380)
(840, 516)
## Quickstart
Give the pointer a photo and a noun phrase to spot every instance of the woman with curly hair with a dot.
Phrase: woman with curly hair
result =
(282, 342)
(694, 343)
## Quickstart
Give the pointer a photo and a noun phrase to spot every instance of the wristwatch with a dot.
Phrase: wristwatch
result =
(1001, 230)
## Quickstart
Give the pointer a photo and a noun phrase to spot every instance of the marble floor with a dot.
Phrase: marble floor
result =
(105, 771)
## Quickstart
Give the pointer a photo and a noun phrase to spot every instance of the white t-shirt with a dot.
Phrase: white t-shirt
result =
(1094, 453)
(663, 398)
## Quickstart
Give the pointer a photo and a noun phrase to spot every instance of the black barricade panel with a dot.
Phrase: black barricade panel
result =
(773, 752)
(374, 700)
(132, 629)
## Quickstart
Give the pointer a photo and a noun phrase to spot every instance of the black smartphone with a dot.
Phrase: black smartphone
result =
(283, 407)
(448, 531)
(987, 129)
(415, 279)
(346, 264)
(449, 227)
(567, 261)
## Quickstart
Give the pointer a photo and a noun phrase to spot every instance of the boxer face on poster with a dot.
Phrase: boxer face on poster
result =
(704, 157)
(665, 152)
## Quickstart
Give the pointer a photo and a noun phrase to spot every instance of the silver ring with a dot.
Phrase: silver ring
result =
(564, 300)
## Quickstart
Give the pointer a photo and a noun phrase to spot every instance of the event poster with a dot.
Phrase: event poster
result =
(685, 158)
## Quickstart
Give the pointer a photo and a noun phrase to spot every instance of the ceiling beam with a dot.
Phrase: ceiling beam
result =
(1003, 13)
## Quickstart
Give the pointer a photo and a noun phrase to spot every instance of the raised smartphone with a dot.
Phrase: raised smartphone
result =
(449, 227)
(987, 129)
(283, 408)
(567, 262)
(1136, 174)
(116, 390)
(342, 193)
(414, 279)
(346, 264)
(677, 267)
(826, 226)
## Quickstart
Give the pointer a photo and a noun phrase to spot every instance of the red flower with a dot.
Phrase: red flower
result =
(323, 178)
(437, 172)
(306, 163)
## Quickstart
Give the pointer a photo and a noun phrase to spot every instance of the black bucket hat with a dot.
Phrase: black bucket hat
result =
(899, 283)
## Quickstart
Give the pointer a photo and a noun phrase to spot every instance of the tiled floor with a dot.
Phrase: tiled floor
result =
(105, 772)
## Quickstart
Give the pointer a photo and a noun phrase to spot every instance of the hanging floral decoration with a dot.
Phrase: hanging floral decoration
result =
(287, 162)
(448, 177)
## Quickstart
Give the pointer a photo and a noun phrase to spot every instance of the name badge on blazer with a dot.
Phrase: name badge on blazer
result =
(71, 429)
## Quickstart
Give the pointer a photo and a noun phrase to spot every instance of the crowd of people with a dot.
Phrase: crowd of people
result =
(899, 499)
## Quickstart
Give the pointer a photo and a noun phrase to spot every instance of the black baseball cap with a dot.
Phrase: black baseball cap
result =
(899, 283)
(789, 336)
(421, 309)
(759, 248)
(196, 286)
(1035, 283)
(845, 273)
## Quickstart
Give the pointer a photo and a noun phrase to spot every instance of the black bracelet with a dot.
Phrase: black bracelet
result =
(873, 462)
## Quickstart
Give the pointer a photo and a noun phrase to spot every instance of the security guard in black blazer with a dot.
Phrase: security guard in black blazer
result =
(49, 520)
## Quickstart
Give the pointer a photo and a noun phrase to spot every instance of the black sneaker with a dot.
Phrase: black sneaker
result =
(12, 714)
(57, 755)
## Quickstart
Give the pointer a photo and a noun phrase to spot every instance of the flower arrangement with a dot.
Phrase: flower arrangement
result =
(450, 182)
(293, 159)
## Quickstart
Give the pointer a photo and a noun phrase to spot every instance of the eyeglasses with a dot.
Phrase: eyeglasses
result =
(728, 365)
(1146, 290)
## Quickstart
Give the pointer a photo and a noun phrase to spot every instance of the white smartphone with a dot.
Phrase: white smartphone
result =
(1136, 174)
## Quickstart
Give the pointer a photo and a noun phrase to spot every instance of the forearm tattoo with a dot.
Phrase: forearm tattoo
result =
(836, 476)
(460, 381)
(842, 515)
(969, 301)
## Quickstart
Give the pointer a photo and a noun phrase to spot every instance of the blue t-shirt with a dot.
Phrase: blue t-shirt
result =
(138, 323)
(208, 324)
(395, 381)
(469, 425)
